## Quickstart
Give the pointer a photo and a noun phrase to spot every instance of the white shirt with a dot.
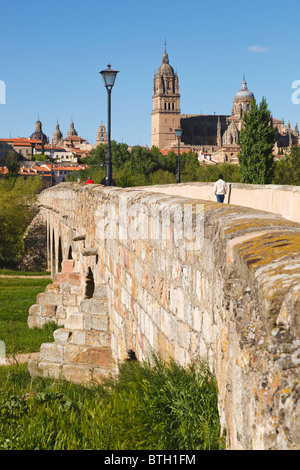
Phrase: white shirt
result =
(220, 187)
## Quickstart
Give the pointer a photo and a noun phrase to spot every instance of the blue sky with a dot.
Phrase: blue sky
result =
(52, 52)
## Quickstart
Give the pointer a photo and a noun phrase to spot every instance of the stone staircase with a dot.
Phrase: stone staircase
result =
(81, 351)
(57, 302)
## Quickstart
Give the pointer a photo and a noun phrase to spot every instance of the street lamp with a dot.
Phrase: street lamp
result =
(51, 158)
(178, 134)
(109, 77)
(101, 165)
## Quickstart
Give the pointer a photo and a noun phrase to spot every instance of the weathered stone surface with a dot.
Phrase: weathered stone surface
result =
(62, 335)
(35, 244)
(52, 352)
(96, 322)
(77, 373)
(97, 306)
(75, 321)
(228, 291)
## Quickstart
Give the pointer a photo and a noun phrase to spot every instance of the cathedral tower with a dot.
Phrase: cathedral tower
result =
(71, 131)
(57, 137)
(166, 105)
(242, 101)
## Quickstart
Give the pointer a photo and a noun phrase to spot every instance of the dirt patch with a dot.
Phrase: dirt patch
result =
(19, 359)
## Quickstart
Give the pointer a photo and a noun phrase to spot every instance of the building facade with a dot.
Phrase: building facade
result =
(215, 136)
(166, 105)
(102, 137)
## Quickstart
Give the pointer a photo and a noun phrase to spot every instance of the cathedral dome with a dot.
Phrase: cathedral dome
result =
(38, 134)
(165, 68)
(244, 92)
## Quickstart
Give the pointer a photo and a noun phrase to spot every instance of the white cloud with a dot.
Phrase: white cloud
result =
(259, 49)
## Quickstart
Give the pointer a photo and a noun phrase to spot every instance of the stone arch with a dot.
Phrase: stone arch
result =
(89, 284)
(53, 255)
(60, 256)
(48, 245)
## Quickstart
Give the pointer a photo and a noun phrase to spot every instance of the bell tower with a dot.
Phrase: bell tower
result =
(166, 105)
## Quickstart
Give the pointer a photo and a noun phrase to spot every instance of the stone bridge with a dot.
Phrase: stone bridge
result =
(161, 269)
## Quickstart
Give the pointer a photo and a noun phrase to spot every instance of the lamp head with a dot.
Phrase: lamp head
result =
(178, 132)
(109, 76)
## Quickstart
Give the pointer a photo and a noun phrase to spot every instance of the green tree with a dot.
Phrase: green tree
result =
(12, 164)
(162, 177)
(257, 139)
(17, 197)
(287, 169)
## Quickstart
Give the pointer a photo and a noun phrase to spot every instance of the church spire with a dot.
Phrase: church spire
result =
(165, 55)
(244, 83)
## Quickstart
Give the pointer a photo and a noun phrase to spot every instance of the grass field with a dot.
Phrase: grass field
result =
(150, 406)
(147, 408)
(16, 296)
(12, 272)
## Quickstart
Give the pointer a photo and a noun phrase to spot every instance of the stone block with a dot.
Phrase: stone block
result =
(97, 338)
(74, 279)
(101, 291)
(52, 352)
(69, 300)
(32, 367)
(77, 373)
(78, 337)
(96, 322)
(61, 312)
(75, 353)
(53, 289)
(31, 321)
(100, 357)
(77, 290)
(197, 319)
(98, 306)
(48, 310)
(67, 266)
(75, 322)
(49, 299)
(62, 335)
(35, 310)
(50, 369)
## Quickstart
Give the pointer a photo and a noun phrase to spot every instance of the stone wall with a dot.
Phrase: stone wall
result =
(185, 278)
(279, 200)
(35, 257)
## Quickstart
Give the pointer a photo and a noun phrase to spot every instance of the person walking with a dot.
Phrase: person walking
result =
(220, 189)
(89, 181)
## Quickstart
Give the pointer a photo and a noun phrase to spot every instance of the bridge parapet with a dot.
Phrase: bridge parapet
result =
(187, 278)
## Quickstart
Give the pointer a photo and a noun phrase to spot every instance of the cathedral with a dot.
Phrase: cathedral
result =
(215, 136)
(38, 133)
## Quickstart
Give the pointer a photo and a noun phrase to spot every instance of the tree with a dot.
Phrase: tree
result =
(17, 208)
(287, 169)
(12, 164)
(257, 139)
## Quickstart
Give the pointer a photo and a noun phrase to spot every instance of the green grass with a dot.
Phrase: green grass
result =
(16, 296)
(148, 407)
(14, 272)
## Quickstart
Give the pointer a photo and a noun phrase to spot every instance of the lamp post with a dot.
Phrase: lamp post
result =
(51, 157)
(109, 77)
(178, 134)
(101, 165)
